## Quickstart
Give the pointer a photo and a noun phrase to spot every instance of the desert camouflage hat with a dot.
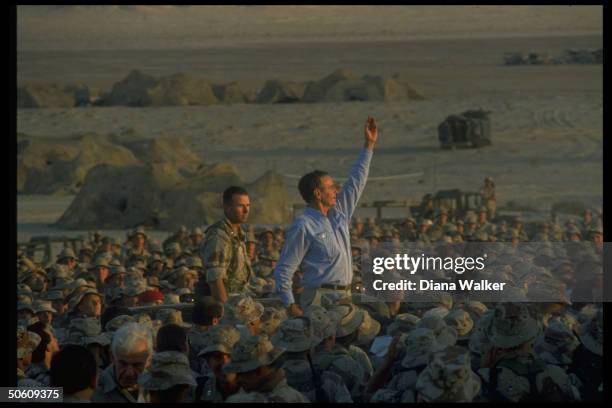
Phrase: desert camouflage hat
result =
(27, 342)
(461, 321)
(167, 369)
(252, 352)
(243, 309)
(197, 231)
(66, 253)
(173, 248)
(445, 335)
(475, 308)
(591, 333)
(368, 330)
(439, 311)
(77, 297)
(134, 288)
(271, 320)
(348, 316)
(548, 291)
(557, 343)
(403, 323)
(417, 346)
(86, 330)
(295, 335)
(426, 221)
(100, 261)
(323, 324)
(117, 270)
(58, 271)
(25, 306)
(480, 337)
(448, 377)
(220, 338)
(138, 231)
(54, 295)
(194, 262)
(43, 306)
(174, 316)
(181, 271)
(116, 322)
(512, 325)
(37, 271)
(155, 258)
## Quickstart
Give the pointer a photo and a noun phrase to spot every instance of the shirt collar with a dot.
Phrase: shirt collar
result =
(228, 226)
(109, 383)
(313, 213)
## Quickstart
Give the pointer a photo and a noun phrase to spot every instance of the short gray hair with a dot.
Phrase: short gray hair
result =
(128, 335)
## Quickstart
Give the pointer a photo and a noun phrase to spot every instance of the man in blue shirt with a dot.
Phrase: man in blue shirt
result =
(318, 241)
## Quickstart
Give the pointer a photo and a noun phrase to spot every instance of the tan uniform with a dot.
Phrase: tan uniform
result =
(224, 255)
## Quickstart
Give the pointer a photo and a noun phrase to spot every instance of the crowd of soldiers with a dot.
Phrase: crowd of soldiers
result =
(79, 326)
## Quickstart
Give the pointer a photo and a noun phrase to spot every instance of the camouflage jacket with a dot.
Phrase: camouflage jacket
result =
(523, 377)
(224, 255)
(341, 362)
(300, 376)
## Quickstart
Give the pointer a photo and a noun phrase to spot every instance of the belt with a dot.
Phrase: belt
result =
(334, 287)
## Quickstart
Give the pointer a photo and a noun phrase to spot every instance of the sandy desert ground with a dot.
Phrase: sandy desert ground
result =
(547, 120)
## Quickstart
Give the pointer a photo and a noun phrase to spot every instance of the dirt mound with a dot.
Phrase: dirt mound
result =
(181, 90)
(130, 91)
(275, 91)
(344, 86)
(45, 96)
(60, 166)
(158, 196)
(230, 93)
(164, 150)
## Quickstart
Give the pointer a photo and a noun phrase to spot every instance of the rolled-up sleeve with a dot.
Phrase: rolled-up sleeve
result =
(290, 259)
(215, 257)
(347, 198)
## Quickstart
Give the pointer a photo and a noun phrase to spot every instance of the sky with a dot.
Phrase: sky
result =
(46, 27)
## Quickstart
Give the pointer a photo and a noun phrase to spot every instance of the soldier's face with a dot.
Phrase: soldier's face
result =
(238, 210)
(129, 366)
(216, 360)
(138, 241)
(102, 273)
(45, 317)
(91, 305)
(443, 219)
(59, 306)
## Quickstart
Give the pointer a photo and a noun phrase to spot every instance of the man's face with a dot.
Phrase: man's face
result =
(482, 217)
(117, 280)
(102, 273)
(129, 366)
(91, 305)
(587, 216)
(72, 263)
(216, 360)
(268, 239)
(36, 282)
(45, 317)
(597, 238)
(251, 247)
(443, 219)
(327, 192)
(138, 241)
(59, 306)
(238, 210)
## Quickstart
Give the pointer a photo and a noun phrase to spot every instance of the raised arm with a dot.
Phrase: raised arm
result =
(350, 193)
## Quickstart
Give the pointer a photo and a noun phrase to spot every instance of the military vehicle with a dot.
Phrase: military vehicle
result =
(584, 56)
(531, 58)
(470, 129)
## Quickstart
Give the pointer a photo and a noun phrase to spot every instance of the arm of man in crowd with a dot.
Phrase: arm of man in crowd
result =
(216, 260)
(347, 198)
(290, 259)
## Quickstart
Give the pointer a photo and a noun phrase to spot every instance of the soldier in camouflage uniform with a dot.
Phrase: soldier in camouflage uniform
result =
(487, 193)
(251, 244)
(214, 385)
(587, 364)
(441, 227)
(407, 357)
(195, 240)
(511, 370)
(137, 251)
(296, 336)
(423, 233)
(27, 342)
(168, 379)
(253, 359)
(448, 378)
(517, 224)
(223, 251)
(483, 224)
